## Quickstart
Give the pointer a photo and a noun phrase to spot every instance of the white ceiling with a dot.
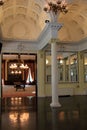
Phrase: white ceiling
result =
(25, 19)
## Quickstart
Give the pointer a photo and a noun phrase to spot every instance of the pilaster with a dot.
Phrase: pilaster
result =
(41, 73)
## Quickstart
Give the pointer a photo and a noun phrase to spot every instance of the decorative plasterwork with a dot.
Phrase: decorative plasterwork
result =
(21, 12)
(30, 17)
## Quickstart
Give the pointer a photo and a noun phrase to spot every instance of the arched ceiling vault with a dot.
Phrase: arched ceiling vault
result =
(25, 19)
(75, 22)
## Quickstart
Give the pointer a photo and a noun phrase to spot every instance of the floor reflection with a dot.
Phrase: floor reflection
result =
(18, 117)
(21, 113)
(17, 103)
(63, 115)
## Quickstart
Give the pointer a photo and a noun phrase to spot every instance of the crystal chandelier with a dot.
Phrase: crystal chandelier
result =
(18, 67)
(1, 2)
(56, 6)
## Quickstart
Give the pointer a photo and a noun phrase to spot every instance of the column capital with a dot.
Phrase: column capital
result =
(56, 26)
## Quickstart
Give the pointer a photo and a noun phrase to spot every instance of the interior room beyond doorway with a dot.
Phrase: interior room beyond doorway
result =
(19, 70)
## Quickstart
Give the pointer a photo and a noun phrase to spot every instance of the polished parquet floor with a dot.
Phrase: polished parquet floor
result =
(31, 113)
(10, 91)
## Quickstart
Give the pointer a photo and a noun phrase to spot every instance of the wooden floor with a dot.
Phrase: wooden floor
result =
(19, 114)
(10, 91)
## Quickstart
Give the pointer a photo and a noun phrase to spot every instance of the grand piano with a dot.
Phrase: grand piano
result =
(19, 85)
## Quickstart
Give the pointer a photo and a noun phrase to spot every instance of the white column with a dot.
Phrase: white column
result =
(55, 100)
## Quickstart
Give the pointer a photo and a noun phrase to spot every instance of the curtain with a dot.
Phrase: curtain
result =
(29, 77)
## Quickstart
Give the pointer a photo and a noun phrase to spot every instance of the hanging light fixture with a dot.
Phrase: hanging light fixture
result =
(20, 63)
(18, 67)
(1, 2)
(56, 6)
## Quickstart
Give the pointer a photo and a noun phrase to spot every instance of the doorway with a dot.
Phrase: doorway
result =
(20, 69)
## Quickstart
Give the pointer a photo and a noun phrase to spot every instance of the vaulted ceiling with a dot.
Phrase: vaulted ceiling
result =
(25, 20)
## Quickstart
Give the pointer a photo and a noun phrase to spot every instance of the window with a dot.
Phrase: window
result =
(85, 66)
(67, 67)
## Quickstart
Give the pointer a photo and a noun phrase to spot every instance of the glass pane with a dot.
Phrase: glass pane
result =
(60, 69)
(73, 68)
(48, 68)
(67, 67)
(85, 66)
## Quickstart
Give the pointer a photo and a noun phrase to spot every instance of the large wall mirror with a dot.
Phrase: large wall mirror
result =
(85, 66)
(67, 67)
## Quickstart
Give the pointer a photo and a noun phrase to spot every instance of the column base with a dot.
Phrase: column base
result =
(55, 105)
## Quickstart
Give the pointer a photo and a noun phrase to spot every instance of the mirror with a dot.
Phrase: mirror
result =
(67, 67)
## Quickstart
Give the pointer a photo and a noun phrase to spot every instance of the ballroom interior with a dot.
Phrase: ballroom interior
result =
(25, 37)
(43, 65)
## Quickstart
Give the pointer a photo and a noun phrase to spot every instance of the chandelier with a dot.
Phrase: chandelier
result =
(1, 2)
(18, 67)
(56, 6)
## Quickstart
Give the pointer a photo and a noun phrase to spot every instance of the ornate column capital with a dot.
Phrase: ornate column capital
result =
(55, 27)
(54, 8)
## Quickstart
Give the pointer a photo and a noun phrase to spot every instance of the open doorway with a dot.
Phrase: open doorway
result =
(19, 75)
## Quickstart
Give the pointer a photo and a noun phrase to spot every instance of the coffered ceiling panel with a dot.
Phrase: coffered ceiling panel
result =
(25, 20)
(21, 19)
(74, 22)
